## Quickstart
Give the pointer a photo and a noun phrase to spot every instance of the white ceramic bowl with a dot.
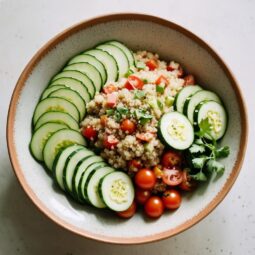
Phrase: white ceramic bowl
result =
(138, 31)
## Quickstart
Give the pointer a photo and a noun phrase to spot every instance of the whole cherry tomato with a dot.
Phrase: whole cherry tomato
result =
(187, 183)
(154, 207)
(171, 158)
(128, 126)
(172, 199)
(145, 179)
(129, 212)
(172, 177)
(141, 196)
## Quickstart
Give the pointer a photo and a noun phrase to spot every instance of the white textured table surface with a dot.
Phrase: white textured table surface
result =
(229, 26)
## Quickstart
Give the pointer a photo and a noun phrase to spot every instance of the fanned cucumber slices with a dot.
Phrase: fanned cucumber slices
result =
(56, 140)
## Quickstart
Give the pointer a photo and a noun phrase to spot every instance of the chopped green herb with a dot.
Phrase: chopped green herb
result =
(123, 110)
(160, 89)
(109, 112)
(142, 116)
(145, 81)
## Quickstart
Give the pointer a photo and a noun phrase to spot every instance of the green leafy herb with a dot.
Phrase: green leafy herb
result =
(122, 110)
(142, 116)
(204, 128)
(109, 112)
(197, 148)
(200, 176)
(199, 162)
(215, 166)
(138, 94)
(222, 152)
(145, 81)
(160, 89)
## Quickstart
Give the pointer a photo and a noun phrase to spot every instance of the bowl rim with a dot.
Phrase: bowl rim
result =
(74, 29)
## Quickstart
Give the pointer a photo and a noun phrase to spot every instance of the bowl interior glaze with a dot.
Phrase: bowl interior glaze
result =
(139, 32)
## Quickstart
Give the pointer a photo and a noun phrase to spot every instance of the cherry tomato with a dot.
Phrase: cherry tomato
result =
(110, 142)
(103, 120)
(89, 133)
(171, 158)
(134, 165)
(109, 89)
(133, 82)
(128, 126)
(141, 196)
(145, 179)
(172, 199)
(172, 177)
(129, 212)
(162, 80)
(111, 99)
(187, 183)
(152, 64)
(154, 207)
(189, 80)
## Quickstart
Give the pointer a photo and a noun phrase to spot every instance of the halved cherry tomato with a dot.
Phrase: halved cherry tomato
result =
(134, 165)
(172, 199)
(152, 64)
(128, 126)
(129, 212)
(189, 80)
(109, 89)
(154, 207)
(172, 177)
(89, 133)
(145, 137)
(133, 82)
(187, 183)
(171, 158)
(110, 142)
(141, 196)
(103, 120)
(162, 80)
(111, 99)
(145, 179)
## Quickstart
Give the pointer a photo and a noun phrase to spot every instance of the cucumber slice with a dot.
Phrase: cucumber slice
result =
(83, 78)
(58, 141)
(108, 61)
(40, 137)
(183, 95)
(83, 181)
(92, 191)
(74, 85)
(71, 163)
(126, 50)
(49, 90)
(119, 56)
(80, 169)
(176, 131)
(57, 117)
(90, 71)
(55, 104)
(192, 102)
(117, 191)
(91, 60)
(73, 97)
(60, 162)
(216, 115)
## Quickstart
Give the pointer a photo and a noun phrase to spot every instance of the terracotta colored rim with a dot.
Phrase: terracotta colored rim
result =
(118, 240)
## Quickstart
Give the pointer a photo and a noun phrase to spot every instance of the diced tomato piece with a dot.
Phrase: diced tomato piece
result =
(134, 165)
(103, 120)
(109, 89)
(169, 68)
(189, 80)
(89, 133)
(133, 82)
(152, 64)
(162, 80)
(158, 172)
(145, 137)
(180, 72)
(110, 142)
(111, 99)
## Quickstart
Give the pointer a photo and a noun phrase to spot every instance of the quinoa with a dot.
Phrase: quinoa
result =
(143, 107)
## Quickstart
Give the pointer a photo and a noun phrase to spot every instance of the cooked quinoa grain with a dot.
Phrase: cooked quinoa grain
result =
(143, 106)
